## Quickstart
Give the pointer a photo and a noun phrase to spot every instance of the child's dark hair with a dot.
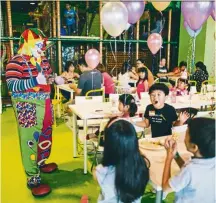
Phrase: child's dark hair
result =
(68, 64)
(127, 99)
(143, 70)
(141, 60)
(159, 86)
(202, 133)
(126, 66)
(121, 150)
(202, 66)
(82, 61)
(182, 63)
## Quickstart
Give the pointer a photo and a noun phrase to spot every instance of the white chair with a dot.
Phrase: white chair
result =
(93, 100)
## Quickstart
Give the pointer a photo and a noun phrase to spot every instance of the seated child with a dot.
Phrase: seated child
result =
(142, 84)
(127, 108)
(123, 174)
(196, 180)
(159, 115)
(182, 87)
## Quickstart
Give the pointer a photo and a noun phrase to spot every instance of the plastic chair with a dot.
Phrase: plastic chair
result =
(192, 82)
(55, 102)
(96, 91)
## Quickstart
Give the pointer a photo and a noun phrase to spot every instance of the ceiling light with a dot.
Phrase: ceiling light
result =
(32, 3)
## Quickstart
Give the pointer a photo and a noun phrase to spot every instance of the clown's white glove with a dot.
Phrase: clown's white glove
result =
(41, 79)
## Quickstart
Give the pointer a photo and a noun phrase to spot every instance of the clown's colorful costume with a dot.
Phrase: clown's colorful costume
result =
(32, 106)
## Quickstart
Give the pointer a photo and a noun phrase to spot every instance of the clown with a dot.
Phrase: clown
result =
(28, 78)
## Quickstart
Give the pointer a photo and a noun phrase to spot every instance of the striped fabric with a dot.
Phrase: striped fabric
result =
(17, 73)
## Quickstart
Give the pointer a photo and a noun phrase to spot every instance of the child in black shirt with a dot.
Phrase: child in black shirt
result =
(159, 115)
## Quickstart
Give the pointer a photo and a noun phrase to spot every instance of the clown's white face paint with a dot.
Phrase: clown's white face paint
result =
(37, 50)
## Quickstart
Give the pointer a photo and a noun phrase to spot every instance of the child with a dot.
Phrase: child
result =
(182, 87)
(196, 180)
(123, 174)
(142, 84)
(127, 108)
(159, 115)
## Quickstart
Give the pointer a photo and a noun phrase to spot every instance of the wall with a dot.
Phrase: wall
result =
(209, 58)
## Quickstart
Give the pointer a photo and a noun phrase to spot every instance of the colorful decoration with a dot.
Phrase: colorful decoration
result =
(191, 32)
(92, 58)
(114, 18)
(154, 42)
(135, 10)
(160, 6)
(196, 13)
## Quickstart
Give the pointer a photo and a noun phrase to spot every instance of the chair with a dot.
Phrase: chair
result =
(192, 82)
(55, 102)
(102, 90)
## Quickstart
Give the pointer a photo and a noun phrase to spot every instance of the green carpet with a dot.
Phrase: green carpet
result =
(68, 183)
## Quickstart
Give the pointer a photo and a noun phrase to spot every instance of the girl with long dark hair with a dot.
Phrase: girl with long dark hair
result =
(123, 174)
(200, 75)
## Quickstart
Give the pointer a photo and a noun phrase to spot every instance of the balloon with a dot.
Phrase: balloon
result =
(196, 13)
(114, 18)
(154, 42)
(127, 26)
(92, 58)
(160, 6)
(135, 10)
(59, 80)
(191, 32)
(213, 14)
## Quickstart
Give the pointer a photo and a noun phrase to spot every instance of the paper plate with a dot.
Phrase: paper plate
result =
(151, 145)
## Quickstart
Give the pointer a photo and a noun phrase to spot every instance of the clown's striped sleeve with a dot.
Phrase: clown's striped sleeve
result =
(16, 76)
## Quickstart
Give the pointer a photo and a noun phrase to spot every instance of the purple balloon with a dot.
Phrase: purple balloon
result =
(196, 13)
(213, 14)
(135, 10)
(59, 80)
(191, 32)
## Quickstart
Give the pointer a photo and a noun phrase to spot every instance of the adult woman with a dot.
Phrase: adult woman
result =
(200, 75)
(69, 73)
(126, 74)
(141, 63)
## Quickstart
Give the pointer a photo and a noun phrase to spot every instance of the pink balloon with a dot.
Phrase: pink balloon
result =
(92, 58)
(59, 80)
(213, 14)
(154, 42)
(135, 10)
(196, 13)
(191, 32)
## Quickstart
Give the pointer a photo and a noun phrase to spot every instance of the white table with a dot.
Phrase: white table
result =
(66, 88)
(88, 111)
(85, 112)
(157, 160)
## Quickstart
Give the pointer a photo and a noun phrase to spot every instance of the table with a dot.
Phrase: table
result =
(157, 160)
(66, 88)
(86, 112)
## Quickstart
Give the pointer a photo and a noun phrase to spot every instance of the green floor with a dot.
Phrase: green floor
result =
(68, 183)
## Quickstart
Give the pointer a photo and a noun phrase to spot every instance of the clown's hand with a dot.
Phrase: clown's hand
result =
(41, 79)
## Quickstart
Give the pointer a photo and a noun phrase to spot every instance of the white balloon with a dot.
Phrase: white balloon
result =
(114, 18)
(127, 26)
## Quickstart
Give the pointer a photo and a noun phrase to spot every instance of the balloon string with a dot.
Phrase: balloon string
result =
(111, 72)
(124, 45)
(189, 55)
(193, 52)
(163, 22)
(129, 47)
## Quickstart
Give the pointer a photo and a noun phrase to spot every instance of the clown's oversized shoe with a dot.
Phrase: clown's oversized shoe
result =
(41, 190)
(48, 168)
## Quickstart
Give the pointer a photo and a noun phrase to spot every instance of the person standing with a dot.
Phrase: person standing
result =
(70, 15)
(28, 78)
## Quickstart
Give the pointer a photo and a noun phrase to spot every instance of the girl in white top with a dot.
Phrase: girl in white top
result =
(126, 75)
(123, 174)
